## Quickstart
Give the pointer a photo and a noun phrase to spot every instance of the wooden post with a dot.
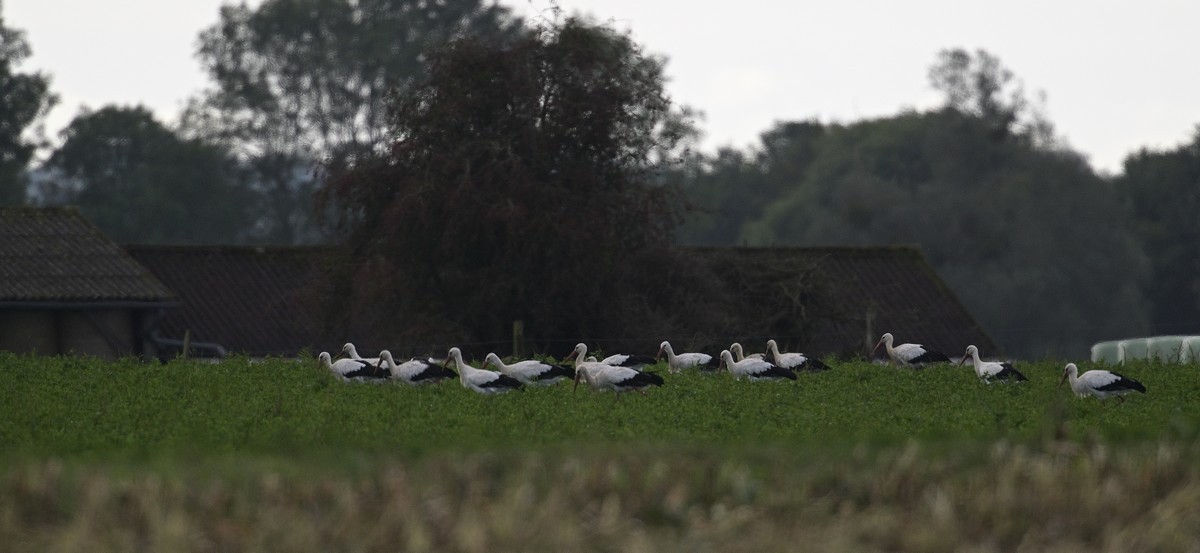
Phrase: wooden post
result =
(518, 343)
(870, 336)
(187, 343)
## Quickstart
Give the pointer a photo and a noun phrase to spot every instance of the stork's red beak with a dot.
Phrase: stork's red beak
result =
(1063, 379)
(658, 355)
(877, 344)
(963, 360)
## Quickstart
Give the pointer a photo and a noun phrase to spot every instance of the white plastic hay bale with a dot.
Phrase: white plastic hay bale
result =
(1189, 350)
(1108, 352)
(1134, 348)
(1165, 348)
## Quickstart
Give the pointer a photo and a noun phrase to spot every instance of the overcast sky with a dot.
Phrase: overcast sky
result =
(1118, 75)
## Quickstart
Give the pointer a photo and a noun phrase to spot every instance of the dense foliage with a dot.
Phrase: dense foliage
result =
(298, 84)
(24, 100)
(1026, 234)
(1162, 190)
(518, 187)
(141, 182)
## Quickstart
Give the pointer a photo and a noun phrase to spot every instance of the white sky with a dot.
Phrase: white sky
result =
(1118, 75)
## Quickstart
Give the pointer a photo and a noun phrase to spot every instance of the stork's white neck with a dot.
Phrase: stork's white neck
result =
(976, 361)
(495, 360)
(463, 368)
(773, 350)
(727, 358)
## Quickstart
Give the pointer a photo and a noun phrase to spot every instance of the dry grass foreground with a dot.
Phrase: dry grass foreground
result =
(1002, 497)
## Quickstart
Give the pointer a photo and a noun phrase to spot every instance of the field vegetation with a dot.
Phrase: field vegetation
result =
(279, 455)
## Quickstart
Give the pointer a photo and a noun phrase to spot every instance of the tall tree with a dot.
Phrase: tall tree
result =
(1032, 240)
(298, 83)
(1162, 189)
(732, 189)
(24, 99)
(981, 86)
(141, 182)
(518, 186)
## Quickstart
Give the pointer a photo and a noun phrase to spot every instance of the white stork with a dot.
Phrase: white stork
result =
(910, 355)
(354, 370)
(530, 372)
(629, 360)
(601, 376)
(415, 371)
(678, 362)
(989, 371)
(1100, 383)
(480, 381)
(736, 350)
(794, 361)
(754, 369)
(351, 352)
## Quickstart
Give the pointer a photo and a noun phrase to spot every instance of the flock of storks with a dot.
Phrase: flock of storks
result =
(623, 372)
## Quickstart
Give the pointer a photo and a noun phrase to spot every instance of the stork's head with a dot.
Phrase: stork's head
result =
(1069, 371)
(454, 355)
(971, 352)
(663, 347)
(885, 339)
(578, 354)
(491, 359)
(726, 360)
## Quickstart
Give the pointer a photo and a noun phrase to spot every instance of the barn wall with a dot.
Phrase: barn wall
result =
(28, 331)
(106, 333)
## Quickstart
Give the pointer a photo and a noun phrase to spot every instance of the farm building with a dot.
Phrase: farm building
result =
(251, 300)
(855, 295)
(257, 300)
(66, 288)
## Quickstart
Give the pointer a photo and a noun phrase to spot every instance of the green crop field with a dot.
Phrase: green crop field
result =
(279, 455)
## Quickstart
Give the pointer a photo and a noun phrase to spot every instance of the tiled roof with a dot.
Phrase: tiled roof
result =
(251, 300)
(56, 255)
(863, 292)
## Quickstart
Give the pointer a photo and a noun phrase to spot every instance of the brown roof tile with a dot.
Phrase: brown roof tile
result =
(55, 254)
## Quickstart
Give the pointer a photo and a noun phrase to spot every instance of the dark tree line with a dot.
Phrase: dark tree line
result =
(451, 144)
(1038, 246)
(1162, 192)
(299, 91)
